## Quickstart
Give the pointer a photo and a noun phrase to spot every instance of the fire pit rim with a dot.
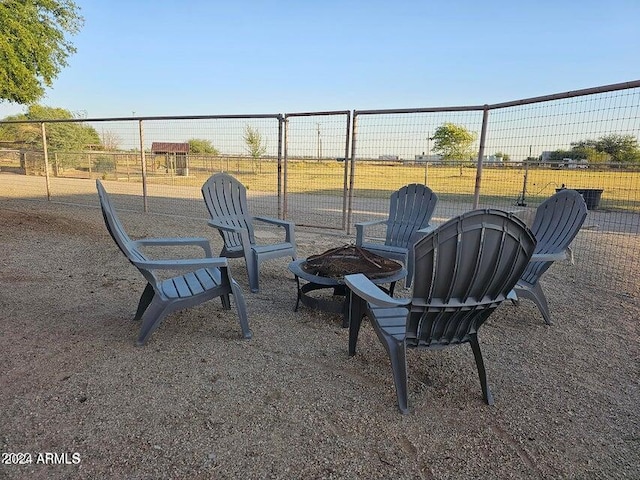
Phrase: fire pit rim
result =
(377, 266)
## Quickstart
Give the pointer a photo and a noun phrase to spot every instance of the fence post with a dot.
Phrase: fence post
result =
(522, 202)
(46, 159)
(345, 187)
(126, 159)
(282, 196)
(352, 162)
(144, 168)
(483, 136)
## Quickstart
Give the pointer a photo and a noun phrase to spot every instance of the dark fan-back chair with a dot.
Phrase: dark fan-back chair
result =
(463, 271)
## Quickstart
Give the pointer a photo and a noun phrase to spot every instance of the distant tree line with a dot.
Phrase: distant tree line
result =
(63, 136)
(77, 136)
(613, 148)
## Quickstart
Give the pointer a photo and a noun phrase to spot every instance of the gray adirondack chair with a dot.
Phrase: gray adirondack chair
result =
(463, 271)
(410, 211)
(203, 280)
(557, 222)
(226, 200)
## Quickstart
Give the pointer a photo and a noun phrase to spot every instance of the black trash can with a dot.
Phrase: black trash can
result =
(591, 196)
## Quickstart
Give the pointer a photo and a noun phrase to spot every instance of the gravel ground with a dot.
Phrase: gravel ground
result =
(198, 401)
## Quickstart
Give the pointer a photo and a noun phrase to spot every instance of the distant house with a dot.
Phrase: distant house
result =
(574, 163)
(169, 147)
(176, 156)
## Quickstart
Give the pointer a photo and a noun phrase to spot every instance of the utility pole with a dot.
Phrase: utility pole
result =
(319, 145)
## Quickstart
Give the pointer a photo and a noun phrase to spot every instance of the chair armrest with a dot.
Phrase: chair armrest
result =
(225, 224)
(287, 225)
(275, 221)
(550, 257)
(222, 224)
(174, 242)
(426, 230)
(361, 226)
(367, 290)
(181, 264)
(419, 234)
(369, 223)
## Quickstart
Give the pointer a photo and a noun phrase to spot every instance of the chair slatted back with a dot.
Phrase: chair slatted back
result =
(557, 222)
(410, 209)
(463, 271)
(119, 235)
(114, 226)
(226, 198)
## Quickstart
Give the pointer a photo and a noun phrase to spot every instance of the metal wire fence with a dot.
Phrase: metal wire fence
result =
(333, 169)
(316, 168)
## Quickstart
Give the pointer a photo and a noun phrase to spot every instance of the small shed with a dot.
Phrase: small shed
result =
(176, 156)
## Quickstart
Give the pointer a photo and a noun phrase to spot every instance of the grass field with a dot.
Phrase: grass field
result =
(621, 188)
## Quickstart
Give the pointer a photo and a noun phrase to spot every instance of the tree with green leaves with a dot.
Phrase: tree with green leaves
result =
(254, 145)
(586, 152)
(621, 148)
(453, 142)
(66, 136)
(200, 145)
(34, 46)
(608, 148)
(62, 137)
(557, 156)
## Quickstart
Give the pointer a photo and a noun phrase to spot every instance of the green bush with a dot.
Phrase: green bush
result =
(105, 164)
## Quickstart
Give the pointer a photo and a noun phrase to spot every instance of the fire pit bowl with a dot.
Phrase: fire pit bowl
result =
(350, 259)
(327, 270)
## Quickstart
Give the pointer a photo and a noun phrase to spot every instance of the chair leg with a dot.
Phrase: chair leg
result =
(409, 261)
(152, 318)
(486, 392)
(241, 307)
(145, 300)
(226, 303)
(357, 309)
(513, 296)
(536, 294)
(252, 273)
(396, 350)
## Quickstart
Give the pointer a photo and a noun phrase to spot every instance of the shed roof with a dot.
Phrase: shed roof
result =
(169, 147)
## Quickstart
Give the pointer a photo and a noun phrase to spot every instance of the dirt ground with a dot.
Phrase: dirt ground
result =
(198, 401)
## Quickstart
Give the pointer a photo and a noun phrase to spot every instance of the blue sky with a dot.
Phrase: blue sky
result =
(247, 57)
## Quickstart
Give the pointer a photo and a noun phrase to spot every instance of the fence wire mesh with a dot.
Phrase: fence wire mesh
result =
(394, 149)
(316, 168)
(332, 169)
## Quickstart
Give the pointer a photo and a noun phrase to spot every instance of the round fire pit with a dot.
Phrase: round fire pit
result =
(327, 270)
(350, 259)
